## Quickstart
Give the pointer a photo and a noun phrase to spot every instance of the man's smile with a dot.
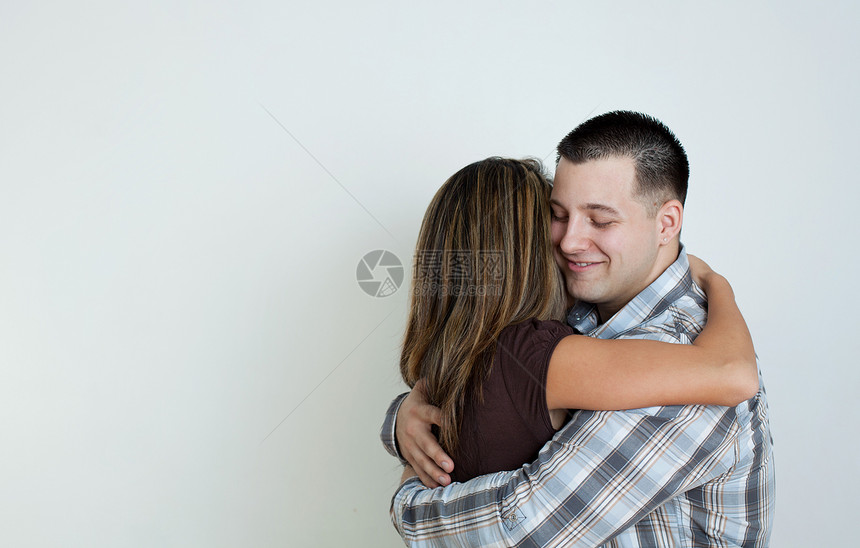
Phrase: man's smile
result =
(582, 266)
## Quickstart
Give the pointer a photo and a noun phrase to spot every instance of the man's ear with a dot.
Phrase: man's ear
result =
(669, 219)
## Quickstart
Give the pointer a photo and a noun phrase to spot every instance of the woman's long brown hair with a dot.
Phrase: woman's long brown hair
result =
(483, 262)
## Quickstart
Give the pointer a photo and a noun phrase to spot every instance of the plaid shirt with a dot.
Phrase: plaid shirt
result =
(678, 476)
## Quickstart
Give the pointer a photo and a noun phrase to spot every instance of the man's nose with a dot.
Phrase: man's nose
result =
(575, 239)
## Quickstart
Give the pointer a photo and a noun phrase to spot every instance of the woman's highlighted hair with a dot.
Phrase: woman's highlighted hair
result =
(483, 261)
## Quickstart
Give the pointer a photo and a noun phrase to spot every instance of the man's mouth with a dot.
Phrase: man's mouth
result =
(581, 266)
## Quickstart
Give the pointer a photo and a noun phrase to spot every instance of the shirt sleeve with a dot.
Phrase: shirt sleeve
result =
(599, 475)
(387, 434)
(522, 356)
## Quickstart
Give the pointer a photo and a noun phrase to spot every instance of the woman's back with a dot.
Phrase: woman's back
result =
(512, 423)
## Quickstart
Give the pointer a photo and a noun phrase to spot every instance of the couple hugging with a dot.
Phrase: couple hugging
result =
(551, 409)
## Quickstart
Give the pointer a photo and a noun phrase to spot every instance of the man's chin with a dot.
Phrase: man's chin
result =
(577, 293)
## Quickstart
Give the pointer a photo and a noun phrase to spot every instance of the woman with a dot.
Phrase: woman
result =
(483, 335)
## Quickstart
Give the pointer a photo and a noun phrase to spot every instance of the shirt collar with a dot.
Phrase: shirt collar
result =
(652, 301)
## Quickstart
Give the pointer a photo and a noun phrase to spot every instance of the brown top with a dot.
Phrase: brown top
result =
(509, 428)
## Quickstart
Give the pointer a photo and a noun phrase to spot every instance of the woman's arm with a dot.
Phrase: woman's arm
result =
(719, 368)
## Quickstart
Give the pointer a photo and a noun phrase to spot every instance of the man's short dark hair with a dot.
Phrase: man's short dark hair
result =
(662, 169)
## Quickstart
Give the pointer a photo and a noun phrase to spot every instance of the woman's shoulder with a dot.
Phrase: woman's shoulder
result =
(535, 327)
(533, 335)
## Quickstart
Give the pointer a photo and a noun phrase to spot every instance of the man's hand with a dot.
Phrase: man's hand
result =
(408, 472)
(417, 443)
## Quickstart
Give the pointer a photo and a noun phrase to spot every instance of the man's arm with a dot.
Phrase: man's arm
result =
(388, 434)
(599, 475)
(410, 415)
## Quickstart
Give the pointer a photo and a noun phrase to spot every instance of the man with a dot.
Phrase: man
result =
(666, 476)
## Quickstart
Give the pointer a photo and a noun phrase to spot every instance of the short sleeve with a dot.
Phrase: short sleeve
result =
(524, 352)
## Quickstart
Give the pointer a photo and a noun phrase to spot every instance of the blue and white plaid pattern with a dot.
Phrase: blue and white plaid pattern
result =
(679, 476)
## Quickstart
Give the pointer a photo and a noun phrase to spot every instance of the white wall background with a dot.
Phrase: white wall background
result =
(177, 271)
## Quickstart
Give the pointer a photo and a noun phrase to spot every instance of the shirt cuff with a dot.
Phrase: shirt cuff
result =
(388, 432)
(406, 488)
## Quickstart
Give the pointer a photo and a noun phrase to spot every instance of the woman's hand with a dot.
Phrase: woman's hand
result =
(701, 271)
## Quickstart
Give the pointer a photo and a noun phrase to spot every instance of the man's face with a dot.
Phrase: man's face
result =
(603, 238)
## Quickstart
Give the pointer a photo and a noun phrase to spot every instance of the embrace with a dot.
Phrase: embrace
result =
(577, 378)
